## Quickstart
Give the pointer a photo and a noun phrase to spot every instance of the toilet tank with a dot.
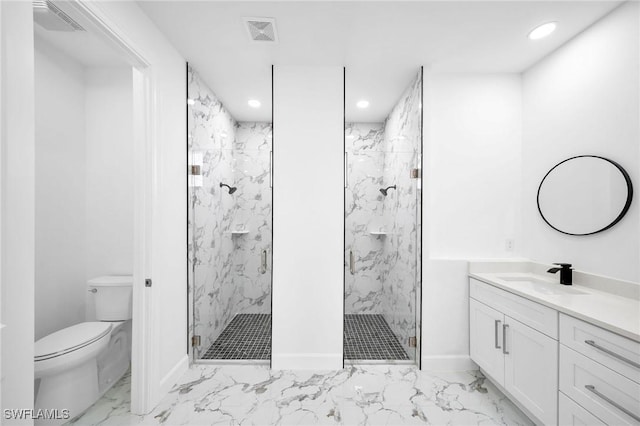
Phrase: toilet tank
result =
(112, 295)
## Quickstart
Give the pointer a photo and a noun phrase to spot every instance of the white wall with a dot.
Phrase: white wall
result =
(308, 217)
(18, 211)
(471, 160)
(60, 238)
(109, 177)
(84, 183)
(584, 99)
(474, 164)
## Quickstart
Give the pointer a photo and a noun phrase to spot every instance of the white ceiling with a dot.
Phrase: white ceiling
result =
(381, 43)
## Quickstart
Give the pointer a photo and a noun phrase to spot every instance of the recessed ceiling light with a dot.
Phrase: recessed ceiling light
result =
(254, 103)
(542, 31)
(362, 104)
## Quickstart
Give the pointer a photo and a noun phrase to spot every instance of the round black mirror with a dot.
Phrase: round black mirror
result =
(584, 195)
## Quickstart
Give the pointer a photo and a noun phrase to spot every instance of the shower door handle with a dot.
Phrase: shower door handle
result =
(270, 169)
(346, 169)
(263, 258)
(352, 266)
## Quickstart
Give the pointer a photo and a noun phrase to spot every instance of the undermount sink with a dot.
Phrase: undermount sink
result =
(539, 286)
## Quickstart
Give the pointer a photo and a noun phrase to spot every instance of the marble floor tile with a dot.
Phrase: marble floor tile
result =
(357, 395)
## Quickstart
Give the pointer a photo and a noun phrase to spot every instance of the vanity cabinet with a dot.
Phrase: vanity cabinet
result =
(514, 341)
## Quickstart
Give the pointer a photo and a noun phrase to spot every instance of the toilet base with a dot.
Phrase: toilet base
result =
(74, 390)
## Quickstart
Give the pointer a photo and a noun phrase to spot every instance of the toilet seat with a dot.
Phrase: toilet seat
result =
(70, 339)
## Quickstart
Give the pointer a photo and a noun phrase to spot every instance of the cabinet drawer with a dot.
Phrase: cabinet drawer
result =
(614, 351)
(573, 414)
(533, 314)
(600, 390)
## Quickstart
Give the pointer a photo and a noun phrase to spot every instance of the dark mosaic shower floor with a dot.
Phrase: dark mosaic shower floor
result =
(368, 337)
(248, 336)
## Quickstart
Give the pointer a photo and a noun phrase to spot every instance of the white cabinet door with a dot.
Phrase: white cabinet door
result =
(486, 339)
(531, 370)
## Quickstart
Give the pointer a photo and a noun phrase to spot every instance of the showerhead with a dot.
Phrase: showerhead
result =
(232, 189)
(384, 190)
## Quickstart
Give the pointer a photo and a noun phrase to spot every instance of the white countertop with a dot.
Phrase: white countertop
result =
(608, 310)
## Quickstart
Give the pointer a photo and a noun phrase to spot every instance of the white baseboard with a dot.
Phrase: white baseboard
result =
(448, 363)
(171, 378)
(312, 361)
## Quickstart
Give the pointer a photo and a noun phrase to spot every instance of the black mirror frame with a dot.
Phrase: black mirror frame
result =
(624, 211)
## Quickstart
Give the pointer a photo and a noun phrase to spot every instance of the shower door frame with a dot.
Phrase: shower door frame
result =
(191, 320)
(419, 240)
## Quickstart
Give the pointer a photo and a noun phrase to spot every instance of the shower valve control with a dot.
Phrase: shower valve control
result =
(147, 282)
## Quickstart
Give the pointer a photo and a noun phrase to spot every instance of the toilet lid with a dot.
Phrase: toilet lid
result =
(70, 339)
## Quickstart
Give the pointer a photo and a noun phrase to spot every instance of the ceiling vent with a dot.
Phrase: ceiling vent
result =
(50, 17)
(261, 30)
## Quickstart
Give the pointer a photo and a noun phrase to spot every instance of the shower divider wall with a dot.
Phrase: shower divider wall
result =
(229, 233)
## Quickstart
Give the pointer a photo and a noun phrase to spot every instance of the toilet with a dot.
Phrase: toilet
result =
(78, 364)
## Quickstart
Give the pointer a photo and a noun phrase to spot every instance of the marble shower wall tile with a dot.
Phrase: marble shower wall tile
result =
(381, 155)
(212, 132)
(225, 274)
(403, 144)
(364, 213)
(252, 211)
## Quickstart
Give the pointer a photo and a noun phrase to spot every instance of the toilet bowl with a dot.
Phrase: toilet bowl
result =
(65, 363)
(78, 364)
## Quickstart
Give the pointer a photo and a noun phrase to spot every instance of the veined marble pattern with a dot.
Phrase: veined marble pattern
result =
(364, 213)
(252, 211)
(386, 274)
(211, 136)
(402, 139)
(226, 274)
(358, 395)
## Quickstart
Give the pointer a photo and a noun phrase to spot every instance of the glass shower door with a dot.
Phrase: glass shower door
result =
(230, 231)
(380, 240)
(383, 225)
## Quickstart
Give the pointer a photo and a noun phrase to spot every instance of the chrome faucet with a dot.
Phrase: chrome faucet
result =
(566, 275)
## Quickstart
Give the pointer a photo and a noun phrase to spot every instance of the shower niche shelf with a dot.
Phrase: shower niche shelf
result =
(238, 232)
(379, 233)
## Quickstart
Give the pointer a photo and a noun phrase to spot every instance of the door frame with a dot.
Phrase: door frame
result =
(144, 360)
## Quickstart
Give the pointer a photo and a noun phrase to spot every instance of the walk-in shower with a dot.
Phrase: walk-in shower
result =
(230, 235)
(383, 152)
